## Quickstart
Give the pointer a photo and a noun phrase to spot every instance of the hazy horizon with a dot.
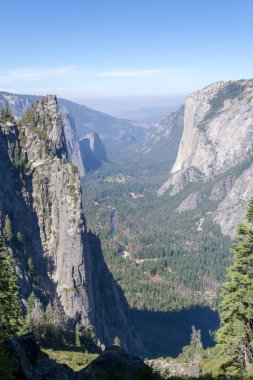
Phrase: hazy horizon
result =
(118, 55)
(116, 105)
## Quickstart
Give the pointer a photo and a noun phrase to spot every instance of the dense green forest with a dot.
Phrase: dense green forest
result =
(164, 260)
(231, 358)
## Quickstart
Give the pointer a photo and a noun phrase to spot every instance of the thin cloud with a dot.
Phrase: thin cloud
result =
(33, 74)
(139, 73)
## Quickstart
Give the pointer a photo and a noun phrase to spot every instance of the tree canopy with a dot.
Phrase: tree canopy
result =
(10, 312)
(236, 333)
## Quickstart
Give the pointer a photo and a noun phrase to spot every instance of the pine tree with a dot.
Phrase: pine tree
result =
(235, 336)
(10, 311)
(117, 341)
(34, 319)
(88, 337)
(5, 114)
(7, 230)
(77, 334)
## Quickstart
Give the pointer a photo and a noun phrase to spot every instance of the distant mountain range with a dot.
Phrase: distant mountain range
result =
(80, 121)
(148, 115)
(86, 119)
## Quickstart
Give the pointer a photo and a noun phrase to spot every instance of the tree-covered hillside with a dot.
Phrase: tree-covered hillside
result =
(164, 260)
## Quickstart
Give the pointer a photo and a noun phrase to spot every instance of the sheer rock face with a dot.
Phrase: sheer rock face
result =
(217, 137)
(97, 147)
(49, 213)
(93, 152)
(40, 191)
(72, 143)
(218, 129)
(232, 209)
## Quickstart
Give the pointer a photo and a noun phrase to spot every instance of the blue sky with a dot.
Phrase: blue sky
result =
(116, 54)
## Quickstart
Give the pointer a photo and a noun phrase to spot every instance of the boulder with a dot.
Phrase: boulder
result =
(33, 364)
(115, 363)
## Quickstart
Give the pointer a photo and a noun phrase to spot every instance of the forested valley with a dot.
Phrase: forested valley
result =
(164, 260)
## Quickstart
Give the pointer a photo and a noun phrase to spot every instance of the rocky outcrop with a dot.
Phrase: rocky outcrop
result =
(175, 369)
(115, 363)
(33, 364)
(40, 192)
(221, 188)
(191, 202)
(92, 151)
(57, 204)
(233, 207)
(216, 145)
(79, 120)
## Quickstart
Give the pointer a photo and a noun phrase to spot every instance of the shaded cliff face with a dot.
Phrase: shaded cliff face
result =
(73, 147)
(92, 151)
(217, 144)
(111, 313)
(40, 191)
(97, 147)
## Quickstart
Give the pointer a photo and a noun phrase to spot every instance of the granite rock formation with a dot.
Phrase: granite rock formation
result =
(56, 257)
(216, 147)
(93, 152)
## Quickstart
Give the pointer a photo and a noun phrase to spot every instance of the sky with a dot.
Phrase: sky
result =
(120, 54)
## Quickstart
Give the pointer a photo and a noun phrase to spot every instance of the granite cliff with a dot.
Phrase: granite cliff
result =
(92, 151)
(216, 148)
(168, 131)
(56, 258)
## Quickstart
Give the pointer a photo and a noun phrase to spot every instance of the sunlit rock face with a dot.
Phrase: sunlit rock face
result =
(217, 137)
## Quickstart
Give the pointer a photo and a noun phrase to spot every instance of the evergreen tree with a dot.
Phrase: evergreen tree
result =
(7, 230)
(235, 336)
(35, 316)
(117, 341)
(77, 334)
(193, 351)
(5, 114)
(88, 337)
(10, 313)
(31, 267)
(20, 240)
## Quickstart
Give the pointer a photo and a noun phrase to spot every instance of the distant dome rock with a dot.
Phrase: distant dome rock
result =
(93, 151)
